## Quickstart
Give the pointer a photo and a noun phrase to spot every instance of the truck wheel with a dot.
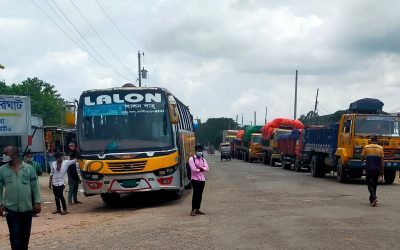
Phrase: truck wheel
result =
(297, 166)
(272, 162)
(317, 169)
(286, 166)
(246, 157)
(264, 159)
(250, 159)
(389, 175)
(110, 199)
(356, 173)
(340, 172)
(314, 166)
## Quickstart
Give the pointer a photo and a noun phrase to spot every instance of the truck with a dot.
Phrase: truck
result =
(228, 136)
(238, 144)
(338, 147)
(270, 133)
(287, 148)
(251, 149)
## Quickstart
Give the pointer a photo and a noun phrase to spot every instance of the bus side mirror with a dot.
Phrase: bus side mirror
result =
(173, 110)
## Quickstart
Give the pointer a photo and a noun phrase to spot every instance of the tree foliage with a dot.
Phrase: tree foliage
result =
(210, 132)
(45, 100)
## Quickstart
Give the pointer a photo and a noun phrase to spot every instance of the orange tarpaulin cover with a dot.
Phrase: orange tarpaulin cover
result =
(240, 135)
(268, 128)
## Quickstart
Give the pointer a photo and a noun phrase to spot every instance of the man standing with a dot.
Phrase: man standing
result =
(18, 183)
(73, 182)
(28, 159)
(372, 154)
(56, 181)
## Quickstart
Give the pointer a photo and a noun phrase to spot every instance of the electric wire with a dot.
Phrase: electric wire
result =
(82, 46)
(101, 38)
(88, 43)
(67, 35)
(116, 27)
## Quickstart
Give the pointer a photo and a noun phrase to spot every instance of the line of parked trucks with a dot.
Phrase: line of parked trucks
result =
(323, 149)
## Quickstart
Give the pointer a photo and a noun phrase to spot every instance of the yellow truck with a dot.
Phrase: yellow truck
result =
(338, 147)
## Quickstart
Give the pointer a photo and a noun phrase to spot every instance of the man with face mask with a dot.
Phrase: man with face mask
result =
(18, 188)
(198, 166)
(28, 159)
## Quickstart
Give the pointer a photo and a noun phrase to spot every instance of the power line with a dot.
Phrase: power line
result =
(89, 44)
(76, 40)
(101, 38)
(67, 35)
(116, 27)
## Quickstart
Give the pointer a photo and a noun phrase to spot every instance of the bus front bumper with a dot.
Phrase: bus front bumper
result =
(128, 183)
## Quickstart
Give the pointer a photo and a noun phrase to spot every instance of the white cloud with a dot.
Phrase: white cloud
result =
(222, 58)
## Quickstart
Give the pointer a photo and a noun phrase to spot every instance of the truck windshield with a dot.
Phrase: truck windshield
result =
(256, 139)
(380, 125)
(121, 126)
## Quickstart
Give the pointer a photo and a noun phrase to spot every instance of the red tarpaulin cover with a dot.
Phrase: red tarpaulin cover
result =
(268, 128)
(240, 135)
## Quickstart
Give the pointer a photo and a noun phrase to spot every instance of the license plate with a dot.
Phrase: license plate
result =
(129, 183)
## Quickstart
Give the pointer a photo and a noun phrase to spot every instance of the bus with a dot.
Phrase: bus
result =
(133, 139)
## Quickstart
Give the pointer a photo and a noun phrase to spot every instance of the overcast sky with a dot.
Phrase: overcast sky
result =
(222, 58)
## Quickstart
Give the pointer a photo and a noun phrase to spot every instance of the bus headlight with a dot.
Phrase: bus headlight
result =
(95, 166)
(166, 171)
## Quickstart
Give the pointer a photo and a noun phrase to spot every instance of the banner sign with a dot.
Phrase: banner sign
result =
(15, 112)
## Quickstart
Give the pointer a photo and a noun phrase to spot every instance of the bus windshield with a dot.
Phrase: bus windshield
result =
(123, 121)
(380, 125)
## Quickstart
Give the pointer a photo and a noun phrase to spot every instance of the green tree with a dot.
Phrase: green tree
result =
(45, 100)
(210, 132)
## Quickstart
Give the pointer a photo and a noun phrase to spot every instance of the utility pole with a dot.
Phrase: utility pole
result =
(139, 73)
(266, 112)
(295, 98)
(242, 120)
(255, 118)
(237, 117)
(316, 102)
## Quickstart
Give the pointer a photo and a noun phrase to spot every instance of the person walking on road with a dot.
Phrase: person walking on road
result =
(19, 197)
(198, 165)
(56, 181)
(372, 154)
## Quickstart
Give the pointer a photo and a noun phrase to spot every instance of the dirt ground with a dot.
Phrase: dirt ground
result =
(248, 206)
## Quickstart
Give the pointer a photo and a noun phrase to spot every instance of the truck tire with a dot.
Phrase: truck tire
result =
(356, 173)
(250, 159)
(314, 166)
(389, 175)
(110, 198)
(297, 166)
(271, 161)
(340, 172)
(317, 169)
(286, 165)
(264, 159)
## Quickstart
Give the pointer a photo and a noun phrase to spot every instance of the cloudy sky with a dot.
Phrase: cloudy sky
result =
(222, 58)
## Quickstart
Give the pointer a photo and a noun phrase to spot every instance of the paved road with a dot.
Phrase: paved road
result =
(248, 206)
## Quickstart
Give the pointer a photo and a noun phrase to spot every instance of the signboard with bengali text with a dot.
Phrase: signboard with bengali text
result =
(15, 113)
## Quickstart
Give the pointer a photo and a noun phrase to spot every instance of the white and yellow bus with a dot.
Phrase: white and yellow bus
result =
(133, 140)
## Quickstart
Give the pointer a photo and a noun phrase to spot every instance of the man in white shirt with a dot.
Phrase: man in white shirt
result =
(56, 181)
